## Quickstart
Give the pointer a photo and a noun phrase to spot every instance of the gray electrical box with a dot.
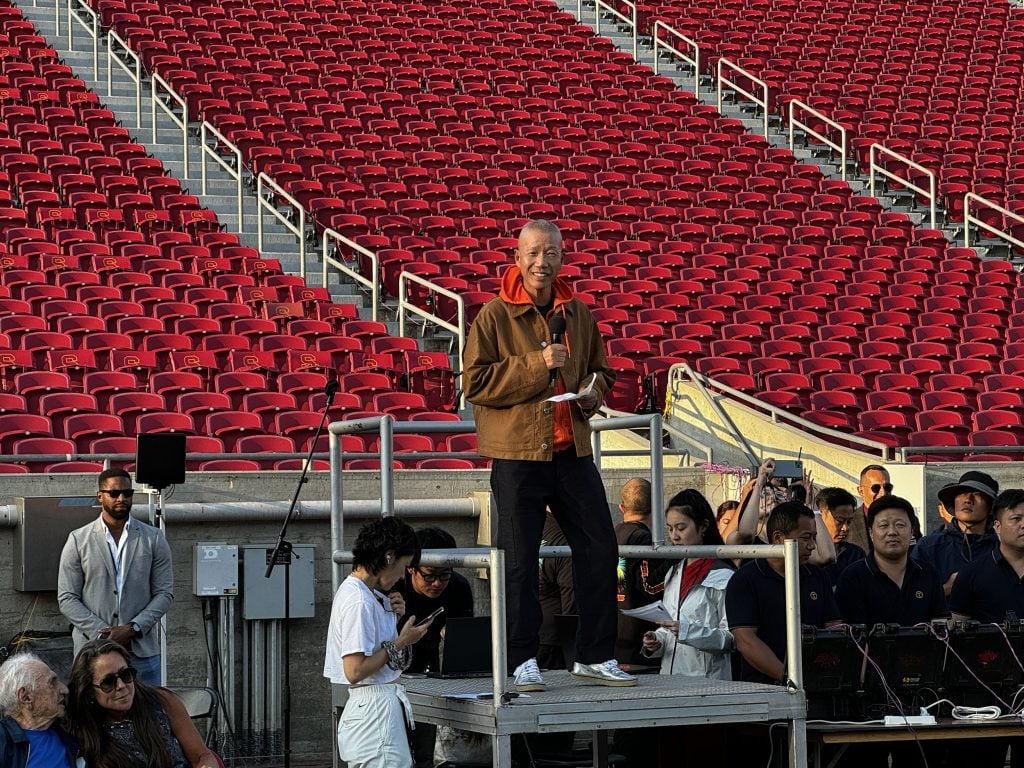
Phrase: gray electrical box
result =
(44, 523)
(215, 570)
(263, 598)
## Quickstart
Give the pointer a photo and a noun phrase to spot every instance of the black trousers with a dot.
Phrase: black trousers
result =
(571, 487)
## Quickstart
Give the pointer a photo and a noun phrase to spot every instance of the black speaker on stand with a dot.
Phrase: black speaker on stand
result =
(160, 462)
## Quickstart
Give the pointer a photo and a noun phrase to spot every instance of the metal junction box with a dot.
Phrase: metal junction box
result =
(263, 598)
(215, 570)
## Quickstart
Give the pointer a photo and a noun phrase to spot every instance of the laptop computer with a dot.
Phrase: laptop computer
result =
(465, 649)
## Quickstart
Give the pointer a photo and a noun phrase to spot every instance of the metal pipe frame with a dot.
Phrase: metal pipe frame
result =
(683, 372)
(372, 282)
(264, 180)
(652, 422)
(658, 43)
(883, 171)
(205, 130)
(724, 82)
(970, 219)
(794, 123)
(158, 85)
(91, 27)
(631, 20)
(134, 73)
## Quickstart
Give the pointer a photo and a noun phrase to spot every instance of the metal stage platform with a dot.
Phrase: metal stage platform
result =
(569, 705)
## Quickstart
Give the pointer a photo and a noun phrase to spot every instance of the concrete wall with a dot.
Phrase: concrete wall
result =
(187, 656)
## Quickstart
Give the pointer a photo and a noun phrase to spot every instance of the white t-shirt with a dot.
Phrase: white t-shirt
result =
(361, 619)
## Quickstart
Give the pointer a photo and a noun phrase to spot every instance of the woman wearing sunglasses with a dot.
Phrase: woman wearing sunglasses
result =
(120, 722)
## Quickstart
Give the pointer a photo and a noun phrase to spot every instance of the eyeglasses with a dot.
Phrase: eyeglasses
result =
(109, 683)
(116, 494)
(877, 487)
(435, 578)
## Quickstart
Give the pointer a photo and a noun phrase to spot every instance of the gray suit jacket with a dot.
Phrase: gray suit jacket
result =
(87, 584)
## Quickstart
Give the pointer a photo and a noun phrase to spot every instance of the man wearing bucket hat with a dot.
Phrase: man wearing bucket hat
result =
(968, 536)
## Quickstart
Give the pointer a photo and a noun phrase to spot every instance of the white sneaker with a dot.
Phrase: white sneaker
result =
(605, 673)
(528, 677)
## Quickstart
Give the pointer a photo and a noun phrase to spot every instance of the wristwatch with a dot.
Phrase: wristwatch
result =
(136, 629)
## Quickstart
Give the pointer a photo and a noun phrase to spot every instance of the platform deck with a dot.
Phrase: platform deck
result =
(569, 705)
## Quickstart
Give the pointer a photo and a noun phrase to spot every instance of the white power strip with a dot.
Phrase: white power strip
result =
(899, 720)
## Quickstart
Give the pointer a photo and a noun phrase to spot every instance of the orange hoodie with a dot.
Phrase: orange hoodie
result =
(514, 292)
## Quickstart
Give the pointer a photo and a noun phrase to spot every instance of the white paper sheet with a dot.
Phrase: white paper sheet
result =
(652, 612)
(567, 396)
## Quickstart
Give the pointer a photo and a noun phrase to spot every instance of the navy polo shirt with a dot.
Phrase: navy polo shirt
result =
(987, 588)
(846, 555)
(866, 595)
(756, 597)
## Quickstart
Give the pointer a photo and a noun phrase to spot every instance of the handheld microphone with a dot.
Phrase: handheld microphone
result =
(557, 327)
(331, 390)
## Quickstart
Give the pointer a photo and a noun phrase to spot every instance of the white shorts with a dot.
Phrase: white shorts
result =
(371, 732)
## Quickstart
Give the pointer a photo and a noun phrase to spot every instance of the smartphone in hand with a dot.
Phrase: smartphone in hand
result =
(431, 617)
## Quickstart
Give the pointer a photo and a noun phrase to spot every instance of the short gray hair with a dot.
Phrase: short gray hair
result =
(18, 672)
(543, 225)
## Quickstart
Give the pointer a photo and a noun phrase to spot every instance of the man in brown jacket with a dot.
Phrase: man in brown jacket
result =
(541, 450)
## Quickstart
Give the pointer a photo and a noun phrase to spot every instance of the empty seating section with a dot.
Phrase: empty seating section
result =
(937, 81)
(429, 134)
(124, 308)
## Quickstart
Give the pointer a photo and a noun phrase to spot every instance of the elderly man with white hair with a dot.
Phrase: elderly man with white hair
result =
(32, 701)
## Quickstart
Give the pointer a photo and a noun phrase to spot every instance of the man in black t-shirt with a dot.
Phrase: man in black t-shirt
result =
(426, 589)
(755, 600)
(640, 580)
(839, 513)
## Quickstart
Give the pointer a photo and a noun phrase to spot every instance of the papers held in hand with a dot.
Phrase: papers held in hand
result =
(566, 396)
(652, 612)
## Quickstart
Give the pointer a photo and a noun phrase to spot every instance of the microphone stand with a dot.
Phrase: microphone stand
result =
(282, 555)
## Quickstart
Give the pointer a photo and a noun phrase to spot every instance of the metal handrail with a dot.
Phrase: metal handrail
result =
(235, 172)
(493, 559)
(929, 193)
(985, 203)
(794, 123)
(723, 83)
(682, 371)
(631, 20)
(135, 74)
(93, 29)
(458, 328)
(694, 62)
(372, 282)
(161, 86)
(263, 180)
(651, 421)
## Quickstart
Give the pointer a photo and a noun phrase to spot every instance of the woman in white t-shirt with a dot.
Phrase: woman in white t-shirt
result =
(366, 651)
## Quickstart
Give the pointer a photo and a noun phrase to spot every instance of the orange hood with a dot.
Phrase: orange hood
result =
(514, 292)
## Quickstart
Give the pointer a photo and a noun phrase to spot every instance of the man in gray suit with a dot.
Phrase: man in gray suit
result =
(115, 577)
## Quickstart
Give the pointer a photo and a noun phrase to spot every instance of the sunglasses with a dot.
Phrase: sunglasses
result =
(434, 578)
(117, 494)
(109, 683)
(877, 487)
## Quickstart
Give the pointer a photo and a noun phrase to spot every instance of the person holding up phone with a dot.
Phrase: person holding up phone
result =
(762, 495)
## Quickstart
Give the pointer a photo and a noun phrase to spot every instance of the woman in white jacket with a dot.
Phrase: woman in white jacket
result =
(698, 643)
